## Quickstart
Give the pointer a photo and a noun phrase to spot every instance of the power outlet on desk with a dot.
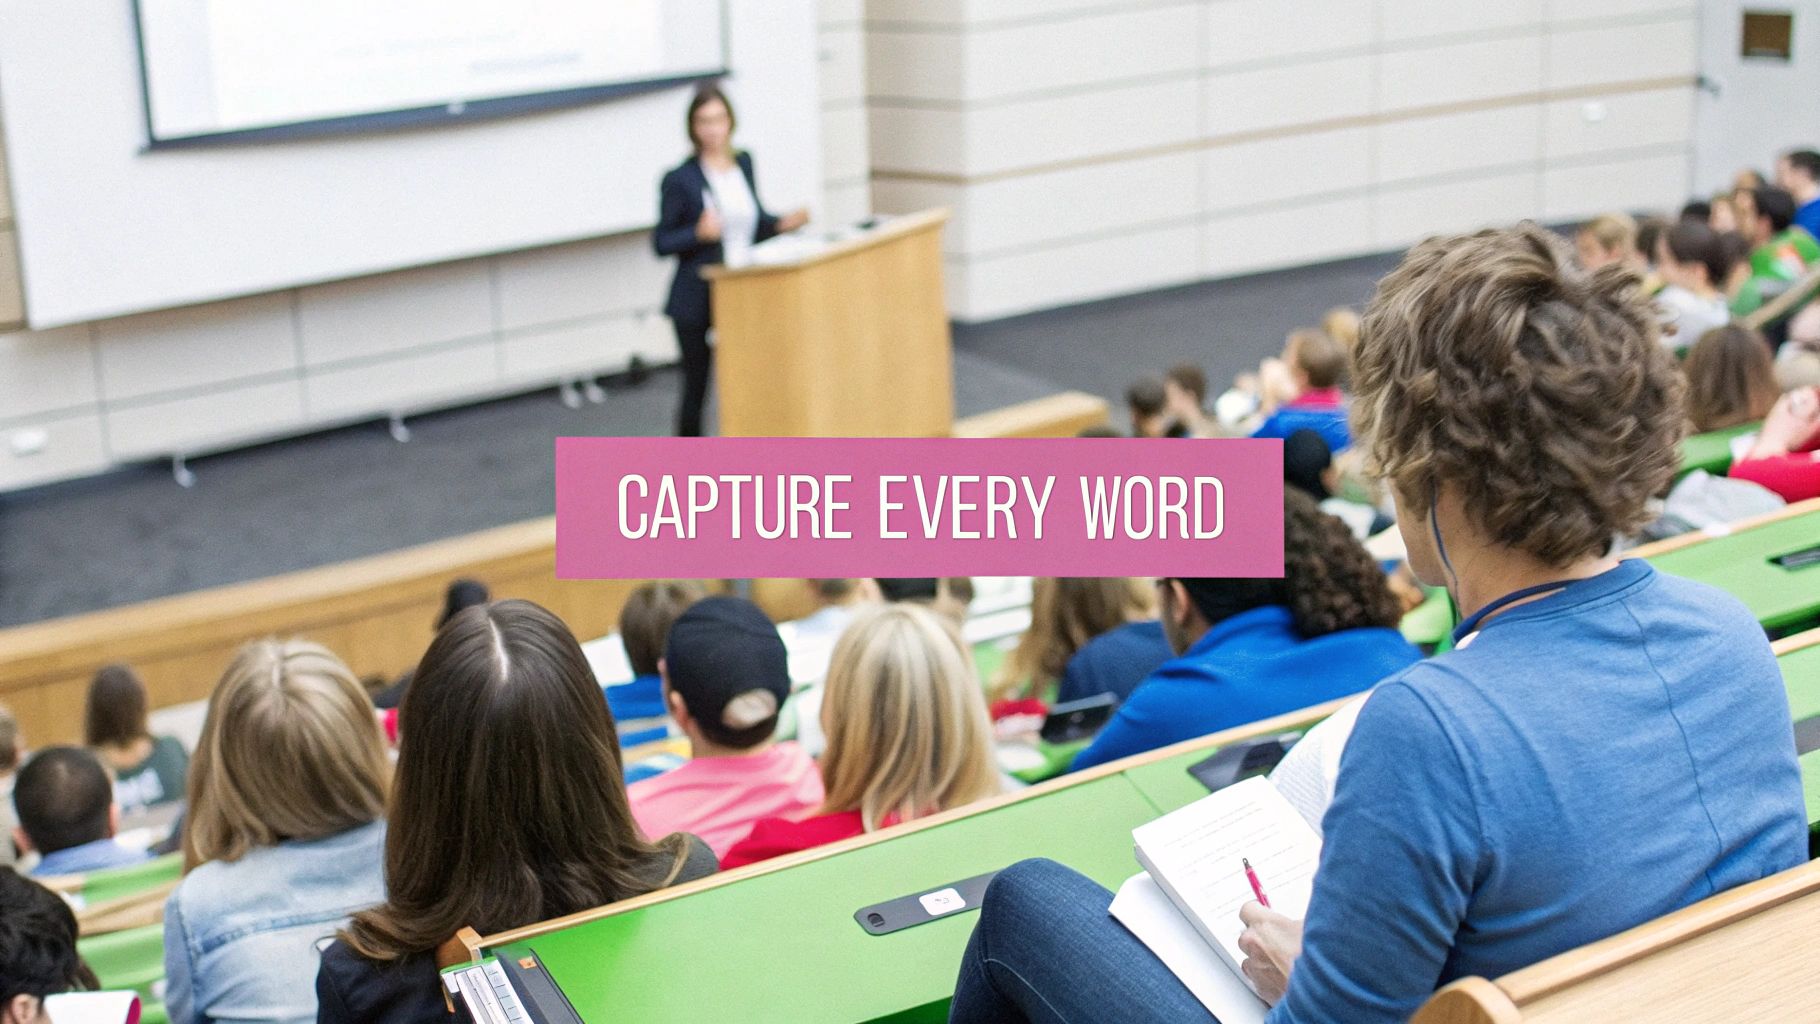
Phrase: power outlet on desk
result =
(29, 441)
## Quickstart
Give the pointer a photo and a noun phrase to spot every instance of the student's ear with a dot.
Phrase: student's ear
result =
(21, 1009)
(678, 710)
(113, 820)
(22, 841)
(1176, 605)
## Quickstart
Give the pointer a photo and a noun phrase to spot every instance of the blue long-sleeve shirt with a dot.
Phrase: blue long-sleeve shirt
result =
(1250, 666)
(1590, 761)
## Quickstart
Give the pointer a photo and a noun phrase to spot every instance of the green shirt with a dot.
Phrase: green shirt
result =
(159, 779)
(1785, 257)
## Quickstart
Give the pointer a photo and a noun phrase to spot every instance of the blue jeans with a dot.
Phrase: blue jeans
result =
(1046, 951)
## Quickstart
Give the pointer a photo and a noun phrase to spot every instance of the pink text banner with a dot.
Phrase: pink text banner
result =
(637, 507)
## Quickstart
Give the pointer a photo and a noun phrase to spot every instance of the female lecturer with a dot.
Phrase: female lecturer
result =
(708, 213)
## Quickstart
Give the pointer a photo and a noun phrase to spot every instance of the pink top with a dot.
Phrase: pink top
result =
(720, 798)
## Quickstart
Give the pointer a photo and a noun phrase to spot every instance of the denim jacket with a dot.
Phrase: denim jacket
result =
(241, 938)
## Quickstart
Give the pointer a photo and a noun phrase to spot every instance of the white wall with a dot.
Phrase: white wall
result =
(79, 399)
(1096, 147)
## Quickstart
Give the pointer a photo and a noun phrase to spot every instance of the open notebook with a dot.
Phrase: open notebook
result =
(1185, 906)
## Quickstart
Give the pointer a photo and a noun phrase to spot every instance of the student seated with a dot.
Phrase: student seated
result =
(507, 809)
(285, 836)
(1798, 172)
(726, 675)
(460, 594)
(1731, 379)
(38, 957)
(1691, 260)
(836, 603)
(67, 814)
(148, 770)
(644, 625)
(1148, 401)
(907, 735)
(1781, 251)
(1308, 467)
(11, 752)
(1112, 629)
(1786, 455)
(946, 596)
(1249, 649)
(1316, 363)
(1185, 400)
(1604, 745)
(1066, 614)
(1607, 239)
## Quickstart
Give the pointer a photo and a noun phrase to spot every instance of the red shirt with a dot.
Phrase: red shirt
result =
(1795, 476)
(774, 837)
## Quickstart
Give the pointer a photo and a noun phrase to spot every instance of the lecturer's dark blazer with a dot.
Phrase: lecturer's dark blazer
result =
(679, 207)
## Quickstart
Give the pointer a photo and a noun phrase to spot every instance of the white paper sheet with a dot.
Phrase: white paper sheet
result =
(1143, 908)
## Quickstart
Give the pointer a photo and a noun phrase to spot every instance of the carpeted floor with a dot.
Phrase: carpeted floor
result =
(133, 534)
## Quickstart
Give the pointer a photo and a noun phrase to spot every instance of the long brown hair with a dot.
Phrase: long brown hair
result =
(1730, 379)
(117, 714)
(508, 805)
(1065, 613)
(290, 750)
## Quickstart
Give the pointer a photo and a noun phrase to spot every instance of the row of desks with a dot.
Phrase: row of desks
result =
(780, 943)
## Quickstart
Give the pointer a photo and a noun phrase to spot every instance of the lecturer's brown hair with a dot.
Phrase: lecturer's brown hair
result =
(509, 805)
(1541, 394)
(703, 96)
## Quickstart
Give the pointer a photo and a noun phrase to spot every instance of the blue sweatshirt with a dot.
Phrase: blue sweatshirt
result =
(1115, 661)
(1250, 666)
(1590, 761)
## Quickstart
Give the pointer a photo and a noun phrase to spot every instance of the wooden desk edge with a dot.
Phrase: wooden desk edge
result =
(1558, 972)
(1797, 642)
(1693, 537)
(888, 231)
(1265, 727)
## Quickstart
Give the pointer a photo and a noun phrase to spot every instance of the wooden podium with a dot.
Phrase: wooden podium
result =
(850, 340)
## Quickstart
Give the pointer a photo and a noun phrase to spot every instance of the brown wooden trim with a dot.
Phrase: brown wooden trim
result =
(1560, 972)
(1693, 537)
(1266, 727)
(1290, 131)
(897, 227)
(1469, 1001)
(1796, 294)
(1796, 642)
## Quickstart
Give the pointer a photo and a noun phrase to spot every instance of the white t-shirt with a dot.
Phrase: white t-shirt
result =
(1688, 316)
(729, 193)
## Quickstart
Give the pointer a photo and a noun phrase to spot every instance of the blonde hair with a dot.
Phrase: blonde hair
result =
(1342, 325)
(1065, 613)
(907, 729)
(290, 749)
(1615, 232)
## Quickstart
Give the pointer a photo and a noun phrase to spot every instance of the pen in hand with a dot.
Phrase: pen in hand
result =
(1257, 888)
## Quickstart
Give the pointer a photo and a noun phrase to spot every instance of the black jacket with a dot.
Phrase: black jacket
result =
(679, 207)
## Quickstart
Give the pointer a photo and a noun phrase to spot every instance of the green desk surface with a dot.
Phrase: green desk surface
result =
(766, 948)
(1711, 451)
(1782, 599)
(1167, 784)
(1056, 759)
(1801, 675)
(1810, 782)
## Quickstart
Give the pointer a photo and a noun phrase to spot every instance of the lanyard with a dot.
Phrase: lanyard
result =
(1471, 625)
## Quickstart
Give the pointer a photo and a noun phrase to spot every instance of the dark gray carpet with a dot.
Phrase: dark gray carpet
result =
(133, 535)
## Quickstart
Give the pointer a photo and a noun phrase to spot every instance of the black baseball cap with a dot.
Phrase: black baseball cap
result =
(725, 660)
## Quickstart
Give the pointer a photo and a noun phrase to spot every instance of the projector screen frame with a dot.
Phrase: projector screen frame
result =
(458, 112)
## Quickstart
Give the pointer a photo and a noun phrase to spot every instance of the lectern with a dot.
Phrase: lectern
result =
(850, 339)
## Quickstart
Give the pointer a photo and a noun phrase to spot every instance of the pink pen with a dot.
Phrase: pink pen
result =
(1257, 888)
